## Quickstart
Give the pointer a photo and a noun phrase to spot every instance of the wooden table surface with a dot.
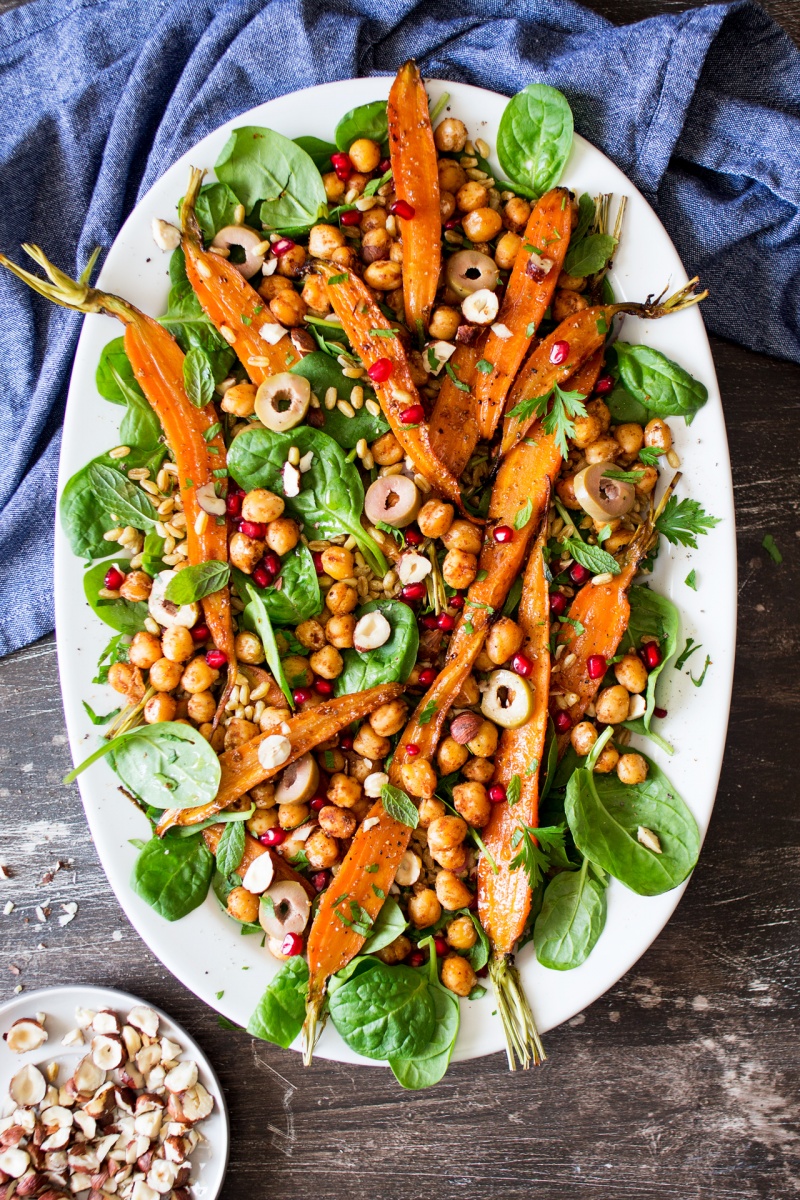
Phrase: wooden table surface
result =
(681, 1082)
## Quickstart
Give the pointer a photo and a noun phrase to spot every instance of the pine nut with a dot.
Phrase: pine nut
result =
(478, 175)
(203, 269)
(345, 408)
(372, 407)
(201, 522)
(259, 691)
(569, 660)
(368, 461)
(263, 247)
(361, 447)
(604, 577)
(353, 372)
(169, 544)
(422, 484)
(351, 543)
(468, 160)
(357, 397)
(171, 560)
(482, 147)
(244, 693)
(238, 215)
(389, 579)
(673, 459)
(391, 226)
(119, 452)
(331, 396)
(108, 594)
(220, 251)
(453, 238)
(365, 203)
(293, 456)
(152, 626)
(314, 400)
(137, 561)
(228, 334)
(113, 535)
(224, 386)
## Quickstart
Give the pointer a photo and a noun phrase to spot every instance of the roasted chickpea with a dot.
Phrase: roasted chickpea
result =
(324, 239)
(565, 490)
(451, 756)
(515, 213)
(165, 675)
(458, 975)
(463, 535)
(342, 598)
(603, 449)
(365, 155)
(657, 433)
(322, 851)
(461, 934)
(444, 323)
(618, 539)
(566, 304)
(272, 285)
(609, 757)
(246, 552)
(632, 768)
(459, 568)
(612, 705)
(327, 662)
(451, 892)
(283, 535)
(262, 506)
(371, 744)
(472, 195)
(481, 770)
(243, 906)
(262, 820)
(375, 246)
(419, 777)
(430, 808)
(292, 262)
(315, 296)
(396, 951)
(197, 676)
(239, 400)
(447, 205)
(355, 185)
(389, 718)
(161, 707)
(504, 640)
(472, 801)
(482, 224)
(310, 634)
(145, 649)
(648, 480)
(201, 707)
(483, 662)
(345, 256)
(343, 791)
(598, 408)
(338, 562)
(334, 187)
(137, 586)
(360, 768)
(239, 732)
(435, 518)
(506, 251)
(484, 744)
(263, 795)
(333, 760)
(469, 694)
(450, 135)
(387, 451)
(587, 431)
(424, 909)
(583, 737)
(384, 276)
(177, 643)
(453, 858)
(339, 631)
(445, 833)
(572, 283)
(338, 822)
(292, 815)
(272, 718)
(298, 671)
(248, 648)
(631, 672)
(374, 219)
(452, 175)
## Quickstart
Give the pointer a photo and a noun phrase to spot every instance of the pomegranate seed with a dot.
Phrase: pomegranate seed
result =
(380, 370)
(384, 165)
(659, 712)
(412, 415)
(343, 166)
(301, 695)
(200, 633)
(351, 217)
(413, 537)
(429, 621)
(346, 741)
(596, 665)
(282, 246)
(318, 567)
(291, 945)
(233, 504)
(579, 574)
(604, 385)
(441, 946)
(413, 591)
(497, 793)
(416, 958)
(216, 658)
(503, 533)
(412, 749)
(453, 223)
(558, 604)
(522, 665)
(114, 579)
(273, 837)
(252, 529)
(320, 880)
(457, 602)
(559, 353)
(563, 722)
(261, 577)
(323, 687)
(317, 803)
(482, 974)
(272, 564)
(651, 654)
(427, 676)
(446, 623)
(402, 209)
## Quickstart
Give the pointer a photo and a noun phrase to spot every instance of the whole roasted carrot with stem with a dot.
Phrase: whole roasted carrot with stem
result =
(284, 871)
(157, 362)
(228, 300)
(415, 171)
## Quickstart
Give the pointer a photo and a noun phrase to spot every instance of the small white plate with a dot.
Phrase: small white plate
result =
(210, 1160)
(205, 950)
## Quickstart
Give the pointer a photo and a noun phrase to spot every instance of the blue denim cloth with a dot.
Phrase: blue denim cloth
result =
(97, 97)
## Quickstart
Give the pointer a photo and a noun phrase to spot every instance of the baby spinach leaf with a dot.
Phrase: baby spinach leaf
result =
(590, 254)
(121, 498)
(83, 520)
(114, 365)
(126, 616)
(256, 618)
(282, 1009)
(262, 165)
(386, 1012)
(571, 920)
(605, 814)
(117, 383)
(215, 208)
(194, 583)
(198, 378)
(99, 718)
(152, 554)
(365, 121)
(324, 372)
(393, 661)
(478, 955)
(398, 806)
(318, 151)
(230, 847)
(388, 925)
(298, 596)
(172, 875)
(140, 428)
(429, 1067)
(656, 616)
(534, 138)
(189, 325)
(637, 725)
(331, 497)
(660, 386)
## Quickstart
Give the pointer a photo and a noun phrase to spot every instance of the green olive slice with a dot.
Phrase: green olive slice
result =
(508, 700)
(469, 271)
(603, 498)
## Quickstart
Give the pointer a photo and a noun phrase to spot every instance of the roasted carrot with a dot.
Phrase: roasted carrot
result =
(241, 768)
(454, 420)
(416, 181)
(284, 871)
(374, 340)
(157, 362)
(530, 289)
(228, 300)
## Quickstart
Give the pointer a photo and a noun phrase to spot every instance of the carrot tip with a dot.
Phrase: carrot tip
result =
(523, 1044)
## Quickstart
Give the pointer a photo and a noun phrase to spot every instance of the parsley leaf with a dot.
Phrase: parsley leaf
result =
(536, 859)
(576, 625)
(622, 476)
(560, 419)
(463, 387)
(650, 455)
(485, 367)
(682, 521)
(688, 650)
(428, 713)
(706, 665)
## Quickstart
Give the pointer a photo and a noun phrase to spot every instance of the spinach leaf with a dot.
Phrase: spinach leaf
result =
(654, 615)
(198, 378)
(189, 325)
(605, 815)
(215, 208)
(550, 760)
(298, 596)
(478, 955)
(230, 847)
(194, 583)
(571, 920)
(399, 807)
(386, 1012)
(387, 926)
(126, 616)
(173, 875)
(140, 428)
(121, 498)
(83, 520)
(331, 497)
(392, 661)
(281, 1010)
(262, 165)
(637, 725)
(114, 365)
(323, 372)
(318, 151)
(256, 618)
(659, 386)
(152, 554)
(117, 383)
(99, 718)
(429, 1067)
(534, 138)
(365, 121)
(590, 254)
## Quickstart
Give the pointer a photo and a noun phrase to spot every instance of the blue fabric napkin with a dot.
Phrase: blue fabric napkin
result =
(98, 97)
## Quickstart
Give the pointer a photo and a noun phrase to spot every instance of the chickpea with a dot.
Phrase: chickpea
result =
(343, 791)
(430, 809)
(201, 707)
(506, 251)
(648, 480)
(272, 286)
(324, 239)
(375, 246)
(566, 304)
(389, 718)
(161, 707)
(469, 694)
(450, 135)
(370, 744)
(598, 408)
(435, 518)
(239, 732)
(631, 673)
(612, 705)
(360, 768)
(334, 760)
(345, 256)
(315, 296)
(396, 255)
(342, 598)
(583, 737)
(630, 437)
(452, 858)
(459, 568)
(463, 535)
(339, 631)
(482, 224)
(243, 906)
(656, 433)
(297, 671)
(483, 662)
(384, 276)
(396, 951)
(587, 431)
(197, 676)
(451, 892)
(239, 400)
(458, 975)
(356, 184)
(472, 801)
(632, 768)
(283, 534)
(334, 187)
(515, 213)
(572, 283)
(292, 262)
(603, 449)
(451, 756)
(419, 777)
(246, 552)
(444, 322)
(338, 562)
(262, 820)
(452, 175)
(248, 648)
(322, 851)
(447, 205)
(504, 640)
(471, 196)
(327, 662)
(484, 744)
(310, 634)
(338, 822)
(609, 757)
(166, 675)
(565, 489)
(445, 833)
(145, 649)
(461, 934)
(177, 643)
(263, 795)
(424, 909)
(387, 451)
(374, 219)
(480, 770)
(290, 816)
(262, 506)
(365, 154)
(273, 718)
(617, 540)
(137, 586)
